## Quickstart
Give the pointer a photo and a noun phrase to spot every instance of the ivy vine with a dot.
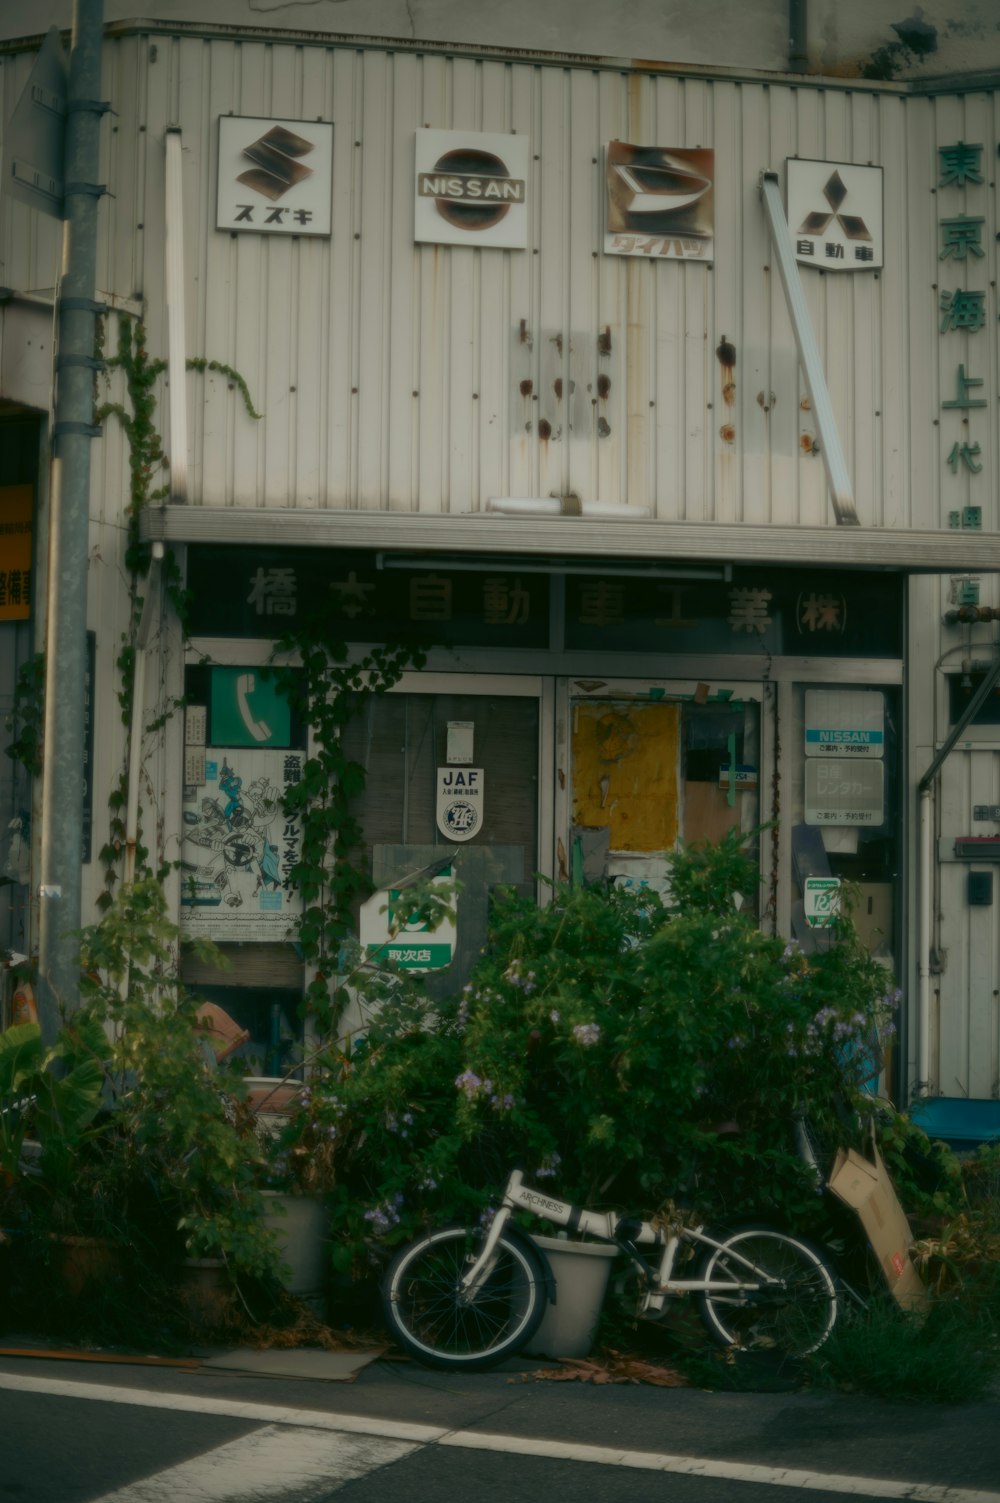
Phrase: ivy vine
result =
(329, 688)
(25, 718)
(147, 462)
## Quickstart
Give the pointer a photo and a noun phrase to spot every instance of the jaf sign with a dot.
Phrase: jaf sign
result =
(388, 933)
(460, 793)
(821, 901)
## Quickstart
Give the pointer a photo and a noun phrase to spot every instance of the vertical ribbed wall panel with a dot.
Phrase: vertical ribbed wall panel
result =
(395, 376)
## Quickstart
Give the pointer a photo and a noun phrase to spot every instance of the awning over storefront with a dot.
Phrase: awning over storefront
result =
(959, 551)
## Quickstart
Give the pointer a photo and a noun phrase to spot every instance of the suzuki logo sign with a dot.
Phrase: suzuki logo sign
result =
(275, 176)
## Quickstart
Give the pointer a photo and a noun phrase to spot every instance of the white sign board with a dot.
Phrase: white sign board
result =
(821, 901)
(841, 792)
(471, 188)
(238, 847)
(660, 201)
(388, 933)
(275, 176)
(460, 796)
(844, 723)
(835, 215)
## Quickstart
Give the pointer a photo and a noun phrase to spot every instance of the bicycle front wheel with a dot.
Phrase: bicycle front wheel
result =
(792, 1303)
(432, 1320)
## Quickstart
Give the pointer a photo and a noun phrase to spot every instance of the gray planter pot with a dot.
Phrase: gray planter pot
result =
(581, 1271)
(301, 1225)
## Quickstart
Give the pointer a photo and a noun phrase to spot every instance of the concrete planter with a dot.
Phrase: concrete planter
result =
(581, 1271)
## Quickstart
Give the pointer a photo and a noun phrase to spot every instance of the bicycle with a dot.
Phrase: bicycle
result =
(463, 1300)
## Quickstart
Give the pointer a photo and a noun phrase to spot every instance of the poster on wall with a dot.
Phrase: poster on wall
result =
(275, 176)
(238, 847)
(835, 214)
(660, 202)
(471, 189)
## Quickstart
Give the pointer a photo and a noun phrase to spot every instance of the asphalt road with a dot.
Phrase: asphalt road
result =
(74, 1433)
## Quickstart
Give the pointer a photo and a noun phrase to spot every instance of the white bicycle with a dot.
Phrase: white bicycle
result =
(466, 1300)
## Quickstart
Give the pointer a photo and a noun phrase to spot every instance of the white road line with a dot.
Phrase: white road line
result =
(275, 1463)
(516, 1445)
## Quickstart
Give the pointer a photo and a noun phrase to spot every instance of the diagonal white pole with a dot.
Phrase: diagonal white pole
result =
(837, 475)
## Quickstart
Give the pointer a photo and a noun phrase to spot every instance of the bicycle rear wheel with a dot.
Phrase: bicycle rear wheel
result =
(793, 1309)
(431, 1320)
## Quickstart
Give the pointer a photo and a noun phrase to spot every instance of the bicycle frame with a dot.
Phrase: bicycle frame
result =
(625, 1233)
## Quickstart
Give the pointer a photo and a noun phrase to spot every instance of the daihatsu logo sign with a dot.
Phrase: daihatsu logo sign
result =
(471, 189)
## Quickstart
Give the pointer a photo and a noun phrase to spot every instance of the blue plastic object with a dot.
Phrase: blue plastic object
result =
(960, 1122)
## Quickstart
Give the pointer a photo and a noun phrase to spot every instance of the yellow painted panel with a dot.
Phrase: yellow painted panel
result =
(625, 772)
(15, 552)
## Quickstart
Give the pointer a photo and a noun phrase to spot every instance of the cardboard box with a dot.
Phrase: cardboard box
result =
(866, 1187)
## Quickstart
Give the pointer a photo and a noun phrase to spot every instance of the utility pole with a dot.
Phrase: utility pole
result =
(69, 539)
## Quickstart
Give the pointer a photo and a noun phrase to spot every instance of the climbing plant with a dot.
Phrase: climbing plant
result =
(24, 719)
(148, 465)
(330, 687)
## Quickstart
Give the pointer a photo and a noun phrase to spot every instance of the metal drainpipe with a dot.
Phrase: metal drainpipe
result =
(798, 36)
(924, 884)
(69, 536)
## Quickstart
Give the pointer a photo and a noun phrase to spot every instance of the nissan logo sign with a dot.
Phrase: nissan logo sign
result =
(472, 189)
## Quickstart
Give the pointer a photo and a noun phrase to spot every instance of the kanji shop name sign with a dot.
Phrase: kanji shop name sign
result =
(961, 187)
(835, 214)
(275, 176)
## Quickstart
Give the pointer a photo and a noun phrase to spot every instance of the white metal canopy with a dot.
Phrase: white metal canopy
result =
(907, 551)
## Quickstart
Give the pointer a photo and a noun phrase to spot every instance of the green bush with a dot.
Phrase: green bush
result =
(623, 1052)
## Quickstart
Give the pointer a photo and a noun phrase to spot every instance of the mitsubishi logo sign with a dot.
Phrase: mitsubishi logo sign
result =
(471, 189)
(835, 215)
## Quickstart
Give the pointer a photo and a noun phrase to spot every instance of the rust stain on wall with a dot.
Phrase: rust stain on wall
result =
(625, 760)
(726, 353)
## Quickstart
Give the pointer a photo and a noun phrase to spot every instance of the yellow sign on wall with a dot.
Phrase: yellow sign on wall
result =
(15, 552)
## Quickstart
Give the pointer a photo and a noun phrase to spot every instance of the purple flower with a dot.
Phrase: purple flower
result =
(587, 1033)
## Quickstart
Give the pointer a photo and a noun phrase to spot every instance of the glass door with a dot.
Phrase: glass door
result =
(647, 767)
(455, 789)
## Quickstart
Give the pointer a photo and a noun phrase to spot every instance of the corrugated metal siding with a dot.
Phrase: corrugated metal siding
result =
(402, 378)
(396, 377)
